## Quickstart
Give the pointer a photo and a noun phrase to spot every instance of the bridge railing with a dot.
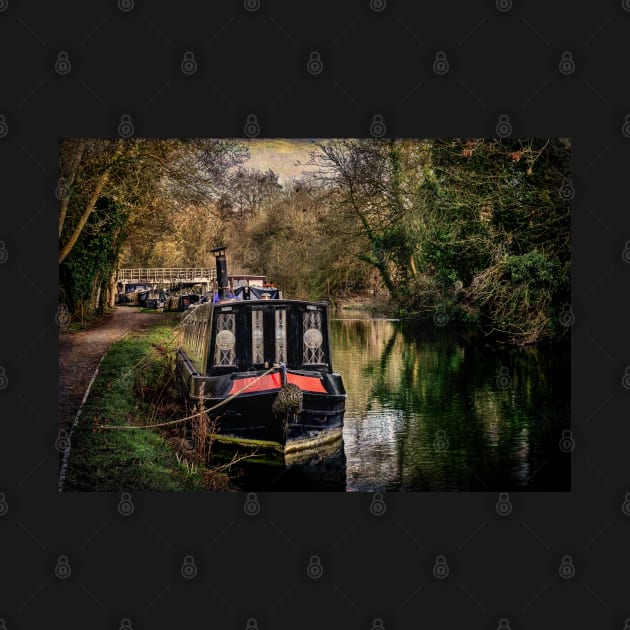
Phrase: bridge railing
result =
(165, 274)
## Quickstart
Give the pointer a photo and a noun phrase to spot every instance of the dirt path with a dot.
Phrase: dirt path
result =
(79, 354)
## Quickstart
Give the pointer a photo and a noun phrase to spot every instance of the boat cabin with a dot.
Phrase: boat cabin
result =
(240, 335)
(264, 362)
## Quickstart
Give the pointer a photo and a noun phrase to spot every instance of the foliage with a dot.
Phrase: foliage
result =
(476, 228)
(300, 243)
(122, 198)
(93, 259)
(473, 228)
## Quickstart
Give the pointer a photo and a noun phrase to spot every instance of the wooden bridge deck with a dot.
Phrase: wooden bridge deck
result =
(166, 274)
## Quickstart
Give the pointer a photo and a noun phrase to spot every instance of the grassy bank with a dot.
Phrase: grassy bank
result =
(135, 386)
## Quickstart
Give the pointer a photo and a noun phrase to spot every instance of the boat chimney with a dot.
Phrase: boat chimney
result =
(222, 276)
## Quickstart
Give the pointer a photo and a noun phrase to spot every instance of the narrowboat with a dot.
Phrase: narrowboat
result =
(262, 366)
(130, 293)
(183, 295)
(155, 299)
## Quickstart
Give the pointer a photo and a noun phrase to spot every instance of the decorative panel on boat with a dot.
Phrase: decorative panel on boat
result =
(313, 339)
(225, 341)
(281, 335)
(258, 338)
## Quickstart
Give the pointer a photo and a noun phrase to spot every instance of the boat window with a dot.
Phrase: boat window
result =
(225, 342)
(281, 335)
(257, 337)
(313, 338)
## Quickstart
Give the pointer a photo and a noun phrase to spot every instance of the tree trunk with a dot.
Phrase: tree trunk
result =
(97, 300)
(102, 296)
(387, 280)
(112, 291)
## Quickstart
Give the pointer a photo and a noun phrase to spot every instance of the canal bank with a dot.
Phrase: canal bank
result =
(133, 386)
(429, 409)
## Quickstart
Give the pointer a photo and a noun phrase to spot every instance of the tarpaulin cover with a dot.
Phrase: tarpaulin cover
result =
(258, 293)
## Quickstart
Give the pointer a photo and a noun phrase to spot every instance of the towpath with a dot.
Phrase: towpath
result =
(80, 352)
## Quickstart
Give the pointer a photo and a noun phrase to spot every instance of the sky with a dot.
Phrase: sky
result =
(280, 155)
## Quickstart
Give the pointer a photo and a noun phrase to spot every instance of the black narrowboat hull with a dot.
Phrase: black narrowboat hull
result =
(248, 414)
(247, 418)
(263, 370)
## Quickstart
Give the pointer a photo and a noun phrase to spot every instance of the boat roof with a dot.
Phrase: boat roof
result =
(270, 301)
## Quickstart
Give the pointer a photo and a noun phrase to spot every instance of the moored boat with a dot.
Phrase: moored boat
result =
(130, 294)
(183, 295)
(262, 367)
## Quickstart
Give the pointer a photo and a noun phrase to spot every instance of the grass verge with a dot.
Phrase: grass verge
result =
(134, 386)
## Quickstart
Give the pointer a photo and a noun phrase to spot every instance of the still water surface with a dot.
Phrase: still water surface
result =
(432, 409)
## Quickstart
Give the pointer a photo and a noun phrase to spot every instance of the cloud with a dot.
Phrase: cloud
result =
(280, 155)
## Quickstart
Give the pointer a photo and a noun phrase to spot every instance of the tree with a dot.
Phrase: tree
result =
(89, 189)
(135, 187)
(472, 226)
(252, 189)
(504, 231)
(377, 181)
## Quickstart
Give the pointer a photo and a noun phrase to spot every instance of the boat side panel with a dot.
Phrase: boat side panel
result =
(196, 324)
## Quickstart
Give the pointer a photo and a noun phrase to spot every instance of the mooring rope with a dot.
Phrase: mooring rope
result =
(199, 413)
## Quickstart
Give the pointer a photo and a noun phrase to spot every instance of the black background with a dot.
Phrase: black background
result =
(502, 569)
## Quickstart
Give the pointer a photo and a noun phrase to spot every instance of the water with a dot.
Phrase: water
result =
(431, 409)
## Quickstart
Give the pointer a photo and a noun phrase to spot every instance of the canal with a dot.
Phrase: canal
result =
(429, 408)
(436, 409)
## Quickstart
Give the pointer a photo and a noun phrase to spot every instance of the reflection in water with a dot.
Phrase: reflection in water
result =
(321, 469)
(428, 409)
